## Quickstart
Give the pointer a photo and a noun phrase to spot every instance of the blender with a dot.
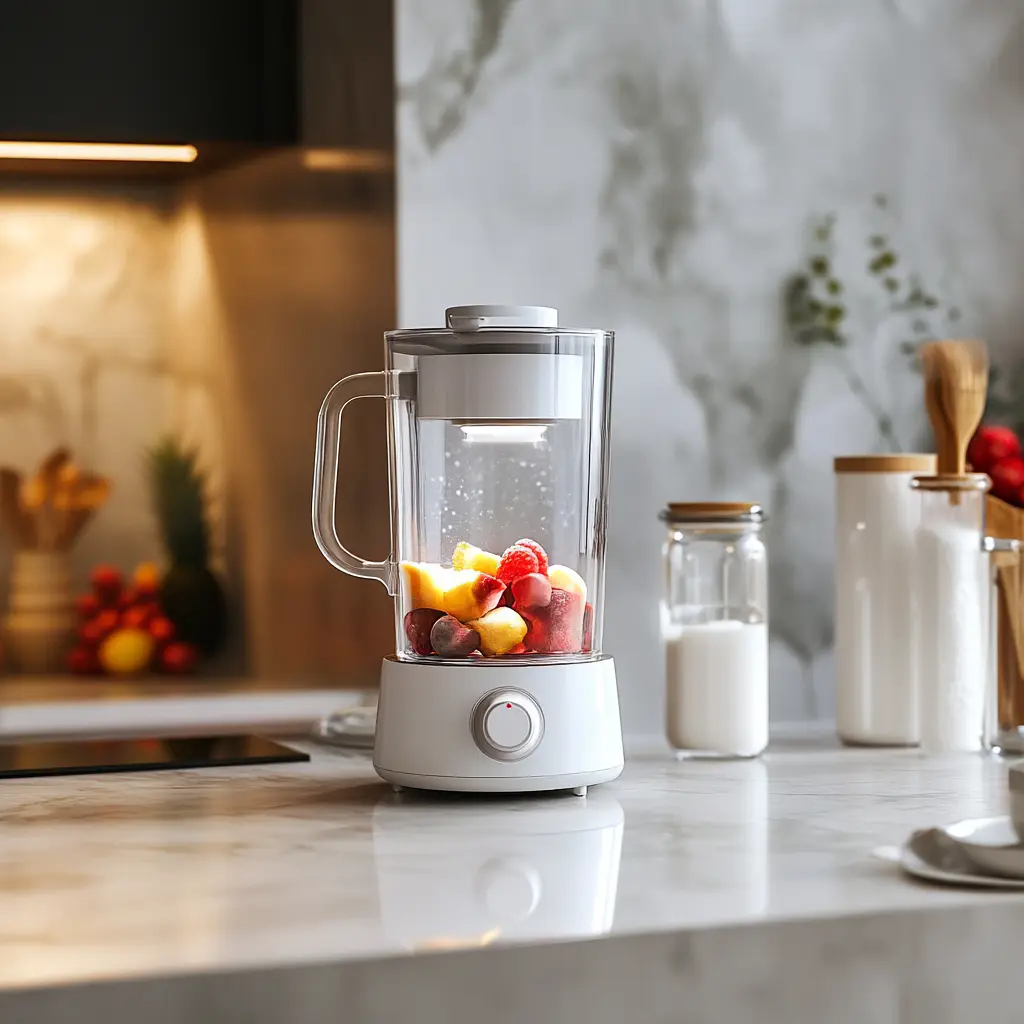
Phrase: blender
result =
(498, 440)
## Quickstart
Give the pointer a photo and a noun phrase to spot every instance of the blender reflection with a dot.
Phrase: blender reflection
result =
(508, 873)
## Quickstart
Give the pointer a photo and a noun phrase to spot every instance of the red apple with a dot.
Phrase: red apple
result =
(990, 446)
(179, 659)
(82, 661)
(88, 605)
(161, 629)
(1008, 479)
(106, 584)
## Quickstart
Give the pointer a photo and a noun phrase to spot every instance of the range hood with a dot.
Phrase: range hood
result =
(145, 84)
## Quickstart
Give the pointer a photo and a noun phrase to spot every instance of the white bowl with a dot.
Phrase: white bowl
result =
(993, 845)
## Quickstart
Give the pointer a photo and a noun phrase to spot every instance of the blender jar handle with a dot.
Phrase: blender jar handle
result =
(325, 478)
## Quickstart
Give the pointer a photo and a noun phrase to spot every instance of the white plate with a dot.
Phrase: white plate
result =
(991, 844)
(914, 866)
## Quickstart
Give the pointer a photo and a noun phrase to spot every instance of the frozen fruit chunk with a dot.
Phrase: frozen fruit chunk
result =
(564, 578)
(451, 639)
(588, 628)
(500, 630)
(418, 624)
(556, 628)
(463, 555)
(531, 591)
(424, 584)
(542, 555)
(472, 594)
(517, 561)
(468, 557)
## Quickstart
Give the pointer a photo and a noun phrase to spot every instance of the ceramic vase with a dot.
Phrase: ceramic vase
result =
(40, 625)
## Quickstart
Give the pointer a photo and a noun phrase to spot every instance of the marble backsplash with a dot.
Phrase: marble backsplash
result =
(85, 350)
(673, 169)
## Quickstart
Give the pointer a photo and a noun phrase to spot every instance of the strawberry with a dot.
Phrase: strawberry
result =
(532, 590)
(542, 555)
(516, 563)
(161, 629)
(88, 605)
(138, 616)
(106, 584)
(556, 628)
(82, 661)
(97, 629)
(990, 446)
(179, 659)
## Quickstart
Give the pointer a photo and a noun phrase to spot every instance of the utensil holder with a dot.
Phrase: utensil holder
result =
(40, 624)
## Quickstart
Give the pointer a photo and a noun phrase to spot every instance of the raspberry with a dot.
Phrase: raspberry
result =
(515, 563)
(542, 555)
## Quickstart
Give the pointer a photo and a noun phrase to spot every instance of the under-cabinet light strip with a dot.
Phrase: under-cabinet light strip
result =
(97, 151)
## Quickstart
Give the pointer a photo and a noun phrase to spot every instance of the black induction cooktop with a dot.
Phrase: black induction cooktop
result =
(99, 757)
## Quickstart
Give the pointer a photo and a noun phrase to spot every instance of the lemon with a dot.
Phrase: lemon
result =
(126, 652)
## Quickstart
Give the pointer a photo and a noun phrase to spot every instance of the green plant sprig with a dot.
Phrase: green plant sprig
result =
(814, 307)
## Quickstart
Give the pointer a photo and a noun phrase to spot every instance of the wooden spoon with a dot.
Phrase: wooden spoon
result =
(11, 513)
(964, 391)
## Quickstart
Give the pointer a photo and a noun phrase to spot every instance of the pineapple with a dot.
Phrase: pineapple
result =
(190, 594)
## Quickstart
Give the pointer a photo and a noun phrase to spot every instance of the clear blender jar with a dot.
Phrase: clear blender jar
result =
(498, 444)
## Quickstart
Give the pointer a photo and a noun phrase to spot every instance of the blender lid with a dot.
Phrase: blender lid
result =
(475, 318)
(463, 369)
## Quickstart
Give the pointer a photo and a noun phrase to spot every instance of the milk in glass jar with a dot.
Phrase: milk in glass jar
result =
(714, 624)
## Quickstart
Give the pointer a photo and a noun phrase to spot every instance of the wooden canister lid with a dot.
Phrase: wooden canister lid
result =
(699, 511)
(916, 462)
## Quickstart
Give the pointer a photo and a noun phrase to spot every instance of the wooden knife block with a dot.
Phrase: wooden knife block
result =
(1006, 521)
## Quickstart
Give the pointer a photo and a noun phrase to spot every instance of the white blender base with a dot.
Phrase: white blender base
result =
(425, 737)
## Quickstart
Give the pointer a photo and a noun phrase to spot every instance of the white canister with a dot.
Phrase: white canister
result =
(876, 657)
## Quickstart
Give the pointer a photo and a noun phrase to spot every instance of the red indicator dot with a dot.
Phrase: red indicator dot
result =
(509, 706)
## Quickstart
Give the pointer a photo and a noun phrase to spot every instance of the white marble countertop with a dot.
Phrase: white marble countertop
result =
(320, 868)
